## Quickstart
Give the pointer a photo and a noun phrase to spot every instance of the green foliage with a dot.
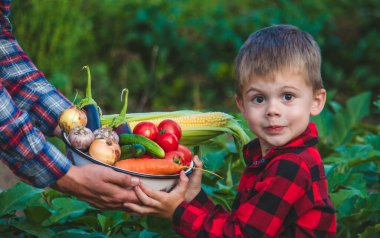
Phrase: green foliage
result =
(187, 46)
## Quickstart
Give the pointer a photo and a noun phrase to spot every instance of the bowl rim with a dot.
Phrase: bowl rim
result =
(88, 157)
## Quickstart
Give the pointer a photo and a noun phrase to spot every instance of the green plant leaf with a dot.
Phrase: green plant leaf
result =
(359, 107)
(373, 140)
(345, 119)
(16, 197)
(34, 229)
(89, 221)
(370, 231)
(37, 214)
(66, 208)
(74, 232)
(354, 151)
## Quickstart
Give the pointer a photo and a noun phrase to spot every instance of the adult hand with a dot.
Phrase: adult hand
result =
(100, 186)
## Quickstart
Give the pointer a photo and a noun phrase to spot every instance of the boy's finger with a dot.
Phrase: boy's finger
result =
(144, 198)
(140, 210)
(182, 183)
(198, 163)
(155, 194)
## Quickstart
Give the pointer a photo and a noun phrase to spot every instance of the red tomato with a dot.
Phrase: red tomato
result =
(147, 129)
(175, 156)
(187, 154)
(170, 126)
(167, 141)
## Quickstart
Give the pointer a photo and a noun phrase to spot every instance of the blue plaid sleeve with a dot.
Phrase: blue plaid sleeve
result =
(29, 108)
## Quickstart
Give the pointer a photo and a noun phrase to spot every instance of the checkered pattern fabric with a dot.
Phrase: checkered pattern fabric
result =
(283, 194)
(29, 108)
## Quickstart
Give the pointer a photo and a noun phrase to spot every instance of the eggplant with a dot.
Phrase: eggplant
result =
(120, 123)
(89, 105)
(93, 117)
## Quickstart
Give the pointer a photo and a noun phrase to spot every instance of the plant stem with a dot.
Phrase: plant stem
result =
(361, 161)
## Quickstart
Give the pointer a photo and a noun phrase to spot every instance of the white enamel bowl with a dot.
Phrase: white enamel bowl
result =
(158, 182)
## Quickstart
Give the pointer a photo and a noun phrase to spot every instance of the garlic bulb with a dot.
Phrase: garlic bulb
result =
(106, 133)
(81, 137)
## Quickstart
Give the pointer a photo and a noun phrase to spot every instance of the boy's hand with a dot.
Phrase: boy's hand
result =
(159, 203)
(195, 181)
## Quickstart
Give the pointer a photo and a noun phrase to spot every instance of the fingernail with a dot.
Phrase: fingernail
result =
(135, 181)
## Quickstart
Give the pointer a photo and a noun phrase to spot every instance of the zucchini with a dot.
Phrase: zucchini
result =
(132, 151)
(151, 147)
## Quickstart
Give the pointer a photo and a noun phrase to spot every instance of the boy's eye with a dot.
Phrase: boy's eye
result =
(258, 99)
(288, 97)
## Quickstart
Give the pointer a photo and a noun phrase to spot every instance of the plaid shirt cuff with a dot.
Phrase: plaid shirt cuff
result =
(48, 166)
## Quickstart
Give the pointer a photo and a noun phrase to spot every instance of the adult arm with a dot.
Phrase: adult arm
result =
(29, 109)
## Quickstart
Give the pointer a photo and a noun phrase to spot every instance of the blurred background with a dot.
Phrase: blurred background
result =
(179, 54)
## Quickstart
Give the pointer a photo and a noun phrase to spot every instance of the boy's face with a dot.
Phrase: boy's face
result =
(278, 110)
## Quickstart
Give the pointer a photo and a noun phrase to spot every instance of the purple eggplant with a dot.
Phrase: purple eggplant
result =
(119, 123)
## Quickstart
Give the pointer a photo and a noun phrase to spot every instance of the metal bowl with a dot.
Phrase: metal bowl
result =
(158, 182)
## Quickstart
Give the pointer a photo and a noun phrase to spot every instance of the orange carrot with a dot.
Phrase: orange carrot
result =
(150, 166)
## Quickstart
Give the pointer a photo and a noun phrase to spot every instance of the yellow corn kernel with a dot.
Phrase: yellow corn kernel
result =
(212, 119)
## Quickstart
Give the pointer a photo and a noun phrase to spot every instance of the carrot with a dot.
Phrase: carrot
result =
(150, 166)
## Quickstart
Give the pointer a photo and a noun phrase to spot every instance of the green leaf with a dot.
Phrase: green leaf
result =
(370, 231)
(359, 107)
(37, 214)
(69, 233)
(354, 151)
(65, 209)
(147, 234)
(89, 221)
(373, 140)
(345, 119)
(34, 229)
(16, 197)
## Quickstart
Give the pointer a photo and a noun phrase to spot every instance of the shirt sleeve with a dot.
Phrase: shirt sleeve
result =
(30, 107)
(262, 214)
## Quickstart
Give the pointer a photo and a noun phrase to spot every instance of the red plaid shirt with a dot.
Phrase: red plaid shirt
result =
(283, 194)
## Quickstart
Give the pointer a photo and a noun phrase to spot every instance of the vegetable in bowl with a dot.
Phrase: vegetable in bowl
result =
(163, 182)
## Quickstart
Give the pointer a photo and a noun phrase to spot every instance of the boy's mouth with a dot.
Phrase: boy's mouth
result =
(274, 129)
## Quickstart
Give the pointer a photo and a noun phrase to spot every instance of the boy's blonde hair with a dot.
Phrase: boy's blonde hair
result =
(275, 48)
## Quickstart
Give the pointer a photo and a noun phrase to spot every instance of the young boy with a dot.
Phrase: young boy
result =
(283, 190)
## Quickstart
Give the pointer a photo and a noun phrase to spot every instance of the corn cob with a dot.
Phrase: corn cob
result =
(214, 119)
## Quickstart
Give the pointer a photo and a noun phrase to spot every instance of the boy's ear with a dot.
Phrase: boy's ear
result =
(239, 104)
(318, 102)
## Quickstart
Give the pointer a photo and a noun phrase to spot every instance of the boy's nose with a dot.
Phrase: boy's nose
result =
(273, 109)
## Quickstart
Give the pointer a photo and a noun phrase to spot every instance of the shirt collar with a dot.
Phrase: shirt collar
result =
(252, 150)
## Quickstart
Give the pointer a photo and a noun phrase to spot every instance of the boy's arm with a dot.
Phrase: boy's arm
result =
(263, 214)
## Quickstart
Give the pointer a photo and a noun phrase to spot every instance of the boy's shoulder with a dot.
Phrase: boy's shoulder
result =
(307, 165)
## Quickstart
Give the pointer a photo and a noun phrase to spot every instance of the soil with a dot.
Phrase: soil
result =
(7, 178)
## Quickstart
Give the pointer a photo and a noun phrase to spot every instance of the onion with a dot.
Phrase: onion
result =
(106, 133)
(72, 117)
(81, 137)
(105, 151)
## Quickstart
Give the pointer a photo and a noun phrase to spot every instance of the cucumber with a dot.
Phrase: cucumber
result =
(132, 151)
(151, 147)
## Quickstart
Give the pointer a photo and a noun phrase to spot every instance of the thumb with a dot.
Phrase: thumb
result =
(197, 173)
(182, 183)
